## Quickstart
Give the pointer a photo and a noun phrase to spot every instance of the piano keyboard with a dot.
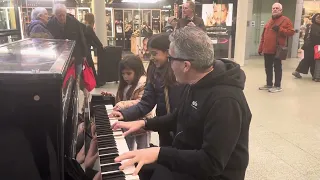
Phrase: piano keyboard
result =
(110, 145)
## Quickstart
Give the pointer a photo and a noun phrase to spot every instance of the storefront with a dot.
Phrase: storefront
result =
(10, 24)
(219, 17)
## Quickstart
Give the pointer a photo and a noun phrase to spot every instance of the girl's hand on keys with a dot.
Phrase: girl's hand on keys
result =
(117, 115)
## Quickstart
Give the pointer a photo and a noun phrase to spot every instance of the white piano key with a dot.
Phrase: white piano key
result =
(109, 107)
(131, 177)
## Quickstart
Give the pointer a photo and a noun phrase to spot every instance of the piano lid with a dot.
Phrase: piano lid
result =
(29, 56)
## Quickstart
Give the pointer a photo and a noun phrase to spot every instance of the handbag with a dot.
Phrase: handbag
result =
(71, 73)
(88, 77)
(281, 51)
(317, 52)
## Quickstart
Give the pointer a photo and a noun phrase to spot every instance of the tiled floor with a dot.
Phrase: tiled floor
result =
(285, 129)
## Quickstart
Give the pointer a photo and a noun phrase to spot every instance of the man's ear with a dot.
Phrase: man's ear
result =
(187, 66)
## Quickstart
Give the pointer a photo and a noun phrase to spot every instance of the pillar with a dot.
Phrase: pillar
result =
(242, 32)
(296, 25)
(99, 11)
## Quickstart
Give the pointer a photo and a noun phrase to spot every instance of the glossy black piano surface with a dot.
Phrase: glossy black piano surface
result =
(34, 99)
(32, 56)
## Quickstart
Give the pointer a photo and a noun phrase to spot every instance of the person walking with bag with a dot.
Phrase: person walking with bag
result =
(312, 38)
(273, 46)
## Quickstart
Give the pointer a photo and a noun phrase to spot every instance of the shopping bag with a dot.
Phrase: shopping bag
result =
(71, 73)
(88, 77)
(317, 52)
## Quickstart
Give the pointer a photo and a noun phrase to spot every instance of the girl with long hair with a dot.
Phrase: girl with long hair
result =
(130, 90)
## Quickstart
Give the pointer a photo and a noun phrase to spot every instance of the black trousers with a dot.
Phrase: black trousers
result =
(270, 64)
(159, 172)
(307, 62)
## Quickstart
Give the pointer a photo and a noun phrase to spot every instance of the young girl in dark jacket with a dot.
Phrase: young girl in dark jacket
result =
(161, 88)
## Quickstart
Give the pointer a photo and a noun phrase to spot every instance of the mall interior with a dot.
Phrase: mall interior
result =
(284, 134)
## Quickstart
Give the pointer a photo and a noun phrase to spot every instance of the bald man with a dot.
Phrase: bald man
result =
(276, 31)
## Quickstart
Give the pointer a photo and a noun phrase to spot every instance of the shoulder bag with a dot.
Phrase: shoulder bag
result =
(282, 51)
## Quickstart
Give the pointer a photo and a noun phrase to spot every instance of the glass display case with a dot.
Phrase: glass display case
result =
(165, 14)
(156, 21)
(110, 26)
(10, 26)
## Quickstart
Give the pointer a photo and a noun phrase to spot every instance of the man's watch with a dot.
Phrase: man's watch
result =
(145, 123)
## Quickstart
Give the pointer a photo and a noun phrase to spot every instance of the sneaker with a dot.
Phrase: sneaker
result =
(297, 75)
(275, 89)
(265, 87)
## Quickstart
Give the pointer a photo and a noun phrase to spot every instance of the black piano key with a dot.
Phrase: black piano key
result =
(102, 139)
(106, 145)
(110, 167)
(108, 151)
(107, 159)
(104, 131)
(114, 176)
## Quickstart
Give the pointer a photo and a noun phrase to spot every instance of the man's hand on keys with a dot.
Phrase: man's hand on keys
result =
(142, 157)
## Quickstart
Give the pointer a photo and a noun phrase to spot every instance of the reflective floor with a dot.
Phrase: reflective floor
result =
(285, 129)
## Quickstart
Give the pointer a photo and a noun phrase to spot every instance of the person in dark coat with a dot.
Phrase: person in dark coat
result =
(190, 19)
(311, 38)
(38, 25)
(161, 89)
(65, 26)
(91, 40)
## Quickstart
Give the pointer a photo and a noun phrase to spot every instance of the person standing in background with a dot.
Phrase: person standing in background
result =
(38, 26)
(92, 40)
(171, 24)
(276, 30)
(312, 38)
(190, 18)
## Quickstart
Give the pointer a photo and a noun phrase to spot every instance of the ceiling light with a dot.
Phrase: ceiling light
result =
(141, 1)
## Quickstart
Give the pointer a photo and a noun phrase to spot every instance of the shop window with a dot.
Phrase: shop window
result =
(219, 19)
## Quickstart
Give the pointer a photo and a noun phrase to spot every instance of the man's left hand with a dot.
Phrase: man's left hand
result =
(142, 157)
(276, 28)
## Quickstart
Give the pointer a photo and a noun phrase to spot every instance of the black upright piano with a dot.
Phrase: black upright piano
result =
(39, 97)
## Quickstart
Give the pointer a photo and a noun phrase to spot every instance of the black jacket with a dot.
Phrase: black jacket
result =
(91, 37)
(72, 30)
(212, 126)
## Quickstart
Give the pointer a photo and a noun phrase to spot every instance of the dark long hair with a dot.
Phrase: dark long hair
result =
(160, 42)
(134, 63)
(314, 18)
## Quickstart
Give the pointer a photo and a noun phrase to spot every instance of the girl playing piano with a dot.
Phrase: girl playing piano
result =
(130, 91)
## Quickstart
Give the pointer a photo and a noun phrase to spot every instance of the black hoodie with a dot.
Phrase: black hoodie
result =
(212, 126)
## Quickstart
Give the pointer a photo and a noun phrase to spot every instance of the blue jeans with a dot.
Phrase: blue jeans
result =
(142, 141)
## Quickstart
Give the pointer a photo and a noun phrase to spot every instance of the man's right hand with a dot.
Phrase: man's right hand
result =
(116, 114)
(131, 127)
(260, 53)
